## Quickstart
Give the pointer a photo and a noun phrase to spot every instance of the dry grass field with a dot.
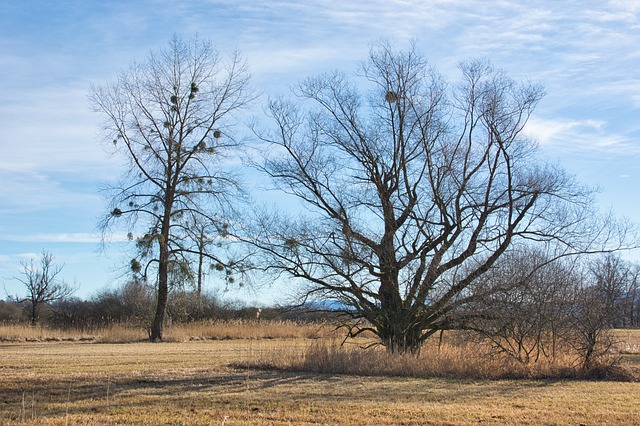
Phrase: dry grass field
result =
(192, 382)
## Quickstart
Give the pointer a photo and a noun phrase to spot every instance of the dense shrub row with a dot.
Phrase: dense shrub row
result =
(133, 304)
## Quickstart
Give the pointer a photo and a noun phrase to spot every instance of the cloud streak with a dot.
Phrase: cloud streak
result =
(586, 136)
(66, 238)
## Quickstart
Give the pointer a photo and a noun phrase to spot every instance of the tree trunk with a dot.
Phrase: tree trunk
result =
(398, 336)
(157, 327)
(396, 328)
(34, 313)
(200, 270)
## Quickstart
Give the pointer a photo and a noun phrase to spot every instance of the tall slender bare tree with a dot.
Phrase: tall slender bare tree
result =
(413, 190)
(171, 117)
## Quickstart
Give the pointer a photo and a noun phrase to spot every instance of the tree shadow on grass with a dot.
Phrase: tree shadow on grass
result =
(229, 389)
(94, 395)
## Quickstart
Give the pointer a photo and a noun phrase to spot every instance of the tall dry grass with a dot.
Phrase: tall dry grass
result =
(626, 341)
(115, 333)
(206, 330)
(249, 329)
(463, 360)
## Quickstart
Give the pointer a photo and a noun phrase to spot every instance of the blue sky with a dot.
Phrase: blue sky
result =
(585, 53)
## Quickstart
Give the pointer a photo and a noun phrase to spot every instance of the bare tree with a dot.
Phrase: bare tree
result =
(631, 300)
(203, 237)
(171, 117)
(413, 191)
(521, 304)
(627, 274)
(532, 304)
(594, 311)
(42, 284)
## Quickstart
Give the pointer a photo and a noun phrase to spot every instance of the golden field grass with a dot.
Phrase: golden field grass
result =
(205, 330)
(193, 382)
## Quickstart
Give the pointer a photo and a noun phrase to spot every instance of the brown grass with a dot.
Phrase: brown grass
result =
(206, 330)
(243, 329)
(453, 360)
(627, 341)
(191, 383)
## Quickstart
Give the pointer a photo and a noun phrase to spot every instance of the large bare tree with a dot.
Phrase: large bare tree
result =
(170, 116)
(412, 190)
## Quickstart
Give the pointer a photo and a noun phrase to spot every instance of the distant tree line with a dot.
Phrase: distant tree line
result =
(132, 305)
(520, 293)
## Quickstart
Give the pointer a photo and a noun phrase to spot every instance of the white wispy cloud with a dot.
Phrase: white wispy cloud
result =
(65, 237)
(580, 136)
(50, 129)
(10, 266)
(32, 190)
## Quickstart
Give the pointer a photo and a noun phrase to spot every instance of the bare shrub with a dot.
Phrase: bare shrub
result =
(521, 305)
(594, 312)
(455, 358)
(131, 303)
(10, 312)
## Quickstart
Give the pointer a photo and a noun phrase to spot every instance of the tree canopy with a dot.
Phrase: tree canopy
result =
(414, 188)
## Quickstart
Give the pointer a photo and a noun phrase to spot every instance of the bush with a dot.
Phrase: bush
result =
(132, 303)
(188, 306)
(11, 313)
(73, 313)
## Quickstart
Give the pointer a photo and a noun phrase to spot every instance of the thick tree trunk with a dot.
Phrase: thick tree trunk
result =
(407, 342)
(396, 328)
(34, 313)
(399, 335)
(157, 327)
